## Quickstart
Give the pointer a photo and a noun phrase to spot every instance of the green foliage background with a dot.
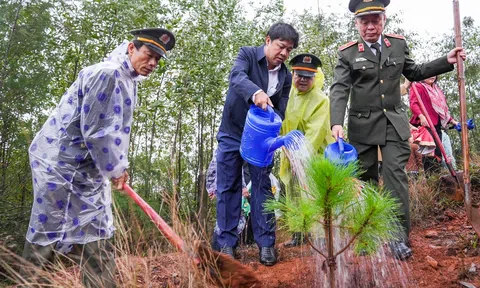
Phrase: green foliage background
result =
(45, 43)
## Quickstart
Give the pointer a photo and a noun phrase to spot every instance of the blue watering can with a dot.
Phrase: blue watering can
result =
(341, 152)
(260, 136)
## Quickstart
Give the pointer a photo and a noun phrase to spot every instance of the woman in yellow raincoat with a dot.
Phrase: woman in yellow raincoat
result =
(308, 110)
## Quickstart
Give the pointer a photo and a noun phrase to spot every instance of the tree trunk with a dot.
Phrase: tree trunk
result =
(4, 130)
(330, 247)
(148, 181)
(174, 171)
(7, 50)
(202, 195)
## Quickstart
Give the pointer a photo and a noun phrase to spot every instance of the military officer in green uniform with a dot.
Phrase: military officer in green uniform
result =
(368, 72)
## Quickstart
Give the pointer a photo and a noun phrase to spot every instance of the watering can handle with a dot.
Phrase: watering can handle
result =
(340, 145)
(272, 113)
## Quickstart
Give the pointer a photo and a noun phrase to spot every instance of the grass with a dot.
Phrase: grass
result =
(423, 199)
(137, 254)
(141, 250)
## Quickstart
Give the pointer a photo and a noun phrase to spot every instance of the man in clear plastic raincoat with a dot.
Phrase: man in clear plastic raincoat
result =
(81, 148)
(308, 110)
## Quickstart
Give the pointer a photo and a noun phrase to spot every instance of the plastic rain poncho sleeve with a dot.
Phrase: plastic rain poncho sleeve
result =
(104, 138)
(308, 112)
(81, 146)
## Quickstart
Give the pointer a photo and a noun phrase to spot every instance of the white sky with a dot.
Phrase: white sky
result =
(427, 17)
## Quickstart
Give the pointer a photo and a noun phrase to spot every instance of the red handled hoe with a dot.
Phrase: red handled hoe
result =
(220, 269)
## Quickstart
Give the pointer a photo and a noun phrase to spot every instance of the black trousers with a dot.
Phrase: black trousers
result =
(433, 164)
(395, 154)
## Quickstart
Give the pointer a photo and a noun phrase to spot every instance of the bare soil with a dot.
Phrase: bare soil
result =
(446, 254)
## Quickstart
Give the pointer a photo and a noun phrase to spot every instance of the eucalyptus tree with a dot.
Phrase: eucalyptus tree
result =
(24, 63)
(209, 34)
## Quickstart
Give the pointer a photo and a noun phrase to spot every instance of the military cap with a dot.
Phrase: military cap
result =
(305, 64)
(158, 39)
(366, 7)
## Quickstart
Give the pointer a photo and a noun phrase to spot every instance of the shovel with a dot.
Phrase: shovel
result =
(222, 270)
(472, 214)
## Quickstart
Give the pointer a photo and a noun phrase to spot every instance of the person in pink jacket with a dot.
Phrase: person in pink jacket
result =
(436, 107)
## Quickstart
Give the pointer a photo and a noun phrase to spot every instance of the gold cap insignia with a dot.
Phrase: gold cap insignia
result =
(307, 59)
(164, 38)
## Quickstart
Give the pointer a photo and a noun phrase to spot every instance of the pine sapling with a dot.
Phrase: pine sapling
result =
(334, 198)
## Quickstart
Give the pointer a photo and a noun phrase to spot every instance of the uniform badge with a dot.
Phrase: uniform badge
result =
(307, 59)
(387, 42)
(361, 59)
(361, 48)
(366, 1)
(164, 38)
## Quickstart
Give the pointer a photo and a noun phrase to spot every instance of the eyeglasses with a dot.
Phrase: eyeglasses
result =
(304, 77)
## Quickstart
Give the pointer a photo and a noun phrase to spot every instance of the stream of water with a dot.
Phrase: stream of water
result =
(378, 270)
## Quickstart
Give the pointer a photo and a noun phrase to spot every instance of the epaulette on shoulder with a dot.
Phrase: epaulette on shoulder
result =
(349, 44)
(398, 36)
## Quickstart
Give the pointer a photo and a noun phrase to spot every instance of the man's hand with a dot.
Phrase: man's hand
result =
(407, 83)
(262, 100)
(118, 182)
(337, 131)
(423, 120)
(452, 55)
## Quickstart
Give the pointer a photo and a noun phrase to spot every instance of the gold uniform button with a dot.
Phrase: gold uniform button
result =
(384, 110)
(381, 81)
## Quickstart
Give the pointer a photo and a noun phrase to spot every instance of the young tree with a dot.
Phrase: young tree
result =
(339, 204)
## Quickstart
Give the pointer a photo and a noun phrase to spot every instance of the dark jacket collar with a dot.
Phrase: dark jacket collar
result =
(261, 52)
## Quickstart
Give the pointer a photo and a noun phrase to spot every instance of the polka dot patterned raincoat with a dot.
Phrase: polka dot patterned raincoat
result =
(83, 144)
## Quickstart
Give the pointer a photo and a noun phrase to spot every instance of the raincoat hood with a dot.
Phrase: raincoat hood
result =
(120, 55)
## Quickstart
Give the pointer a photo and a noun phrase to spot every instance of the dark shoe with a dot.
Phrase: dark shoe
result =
(267, 256)
(400, 250)
(296, 240)
(227, 250)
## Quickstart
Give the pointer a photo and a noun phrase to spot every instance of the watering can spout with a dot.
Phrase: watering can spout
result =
(272, 144)
(288, 140)
(260, 136)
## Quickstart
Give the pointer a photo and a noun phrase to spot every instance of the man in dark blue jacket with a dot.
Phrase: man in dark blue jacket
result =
(258, 76)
